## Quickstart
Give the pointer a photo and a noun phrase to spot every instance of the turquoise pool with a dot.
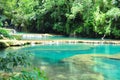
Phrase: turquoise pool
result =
(61, 51)
(49, 57)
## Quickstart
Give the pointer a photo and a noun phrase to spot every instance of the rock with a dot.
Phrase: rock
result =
(3, 45)
(84, 64)
(15, 43)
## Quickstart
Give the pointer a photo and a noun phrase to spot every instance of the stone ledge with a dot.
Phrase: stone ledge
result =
(7, 43)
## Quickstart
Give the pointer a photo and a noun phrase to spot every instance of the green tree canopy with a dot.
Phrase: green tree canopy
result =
(88, 18)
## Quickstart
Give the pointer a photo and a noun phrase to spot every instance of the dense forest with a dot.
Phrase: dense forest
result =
(85, 18)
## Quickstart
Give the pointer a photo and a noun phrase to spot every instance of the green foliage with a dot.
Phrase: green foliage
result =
(116, 33)
(98, 17)
(14, 59)
(116, 3)
(4, 32)
(113, 13)
(99, 21)
(1, 24)
(10, 61)
(58, 27)
(34, 74)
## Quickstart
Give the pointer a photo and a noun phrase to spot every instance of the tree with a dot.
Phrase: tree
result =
(88, 18)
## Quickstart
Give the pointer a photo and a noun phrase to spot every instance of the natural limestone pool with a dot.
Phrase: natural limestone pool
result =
(76, 61)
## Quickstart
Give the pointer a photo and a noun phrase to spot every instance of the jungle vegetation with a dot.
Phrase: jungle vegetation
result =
(18, 66)
(85, 18)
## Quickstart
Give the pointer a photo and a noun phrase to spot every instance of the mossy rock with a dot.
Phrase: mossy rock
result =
(3, 45)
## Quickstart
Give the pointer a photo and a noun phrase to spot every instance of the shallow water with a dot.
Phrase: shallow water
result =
(110, 68)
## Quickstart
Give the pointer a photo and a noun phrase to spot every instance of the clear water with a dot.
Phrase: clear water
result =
(61, 51)
(110, 68)
(49, 57)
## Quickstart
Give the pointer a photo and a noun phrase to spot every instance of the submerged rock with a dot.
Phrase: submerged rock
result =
(84, 66)
(92, 77)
